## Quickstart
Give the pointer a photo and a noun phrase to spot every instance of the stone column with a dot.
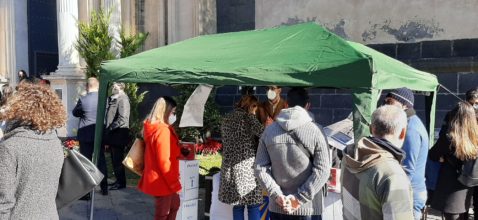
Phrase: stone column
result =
(13, 39)
(3, 39)
(68, 57)
(128, 17)
(69, 79)
(190, 18)
(114, 7)
(152, 23)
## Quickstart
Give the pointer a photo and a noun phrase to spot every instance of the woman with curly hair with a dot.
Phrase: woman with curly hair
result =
(31, 155)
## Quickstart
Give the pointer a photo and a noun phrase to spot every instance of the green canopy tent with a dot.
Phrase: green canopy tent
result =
(298, 55)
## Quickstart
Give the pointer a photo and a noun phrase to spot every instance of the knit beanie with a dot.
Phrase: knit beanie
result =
(403, 95)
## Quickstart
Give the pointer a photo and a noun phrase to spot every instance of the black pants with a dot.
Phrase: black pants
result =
(117, 156)
(86, 148)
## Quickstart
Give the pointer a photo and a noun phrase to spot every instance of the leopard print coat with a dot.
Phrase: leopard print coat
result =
(240, 133)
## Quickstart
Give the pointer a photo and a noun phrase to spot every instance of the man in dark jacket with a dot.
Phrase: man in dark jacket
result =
(117, 131)
(268, 111)
(85, 109)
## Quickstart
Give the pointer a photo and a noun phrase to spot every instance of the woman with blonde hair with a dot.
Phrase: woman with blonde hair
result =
(31, 155)
(161, 165)
(458, 144)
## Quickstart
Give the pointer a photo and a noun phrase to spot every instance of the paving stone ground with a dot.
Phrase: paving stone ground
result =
(130, 204)
(123, 204)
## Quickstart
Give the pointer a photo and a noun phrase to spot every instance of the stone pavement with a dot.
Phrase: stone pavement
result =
(129, 203)
(123, 204)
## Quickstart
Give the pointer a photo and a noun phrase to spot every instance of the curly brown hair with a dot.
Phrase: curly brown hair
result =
(35, 106)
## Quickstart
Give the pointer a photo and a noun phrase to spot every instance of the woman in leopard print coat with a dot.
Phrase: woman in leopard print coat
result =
(240, 134)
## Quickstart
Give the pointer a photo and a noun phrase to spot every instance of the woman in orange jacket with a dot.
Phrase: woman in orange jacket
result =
(161, 165)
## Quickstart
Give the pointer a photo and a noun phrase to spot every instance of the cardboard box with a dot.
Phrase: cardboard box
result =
(189, 194)
(189, 174)
(188, 210)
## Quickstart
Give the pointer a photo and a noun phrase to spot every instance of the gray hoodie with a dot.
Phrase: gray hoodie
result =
(284, 169)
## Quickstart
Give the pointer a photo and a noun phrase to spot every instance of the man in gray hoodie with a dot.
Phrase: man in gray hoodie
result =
(292, 161)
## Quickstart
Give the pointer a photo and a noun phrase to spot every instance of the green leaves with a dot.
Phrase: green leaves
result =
(131, 44)
(94, 42)
(94, 46)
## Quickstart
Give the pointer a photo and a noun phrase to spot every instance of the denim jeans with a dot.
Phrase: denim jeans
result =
(419, 200)
(278, 216)
(253, 212)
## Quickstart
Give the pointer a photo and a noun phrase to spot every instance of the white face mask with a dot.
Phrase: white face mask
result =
(114, 90)
(271, 95)
(172, 119)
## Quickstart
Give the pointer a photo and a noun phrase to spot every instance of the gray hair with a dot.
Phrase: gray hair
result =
(120, 85)
(388, 120)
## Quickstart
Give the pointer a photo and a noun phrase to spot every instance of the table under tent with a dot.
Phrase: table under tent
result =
(305, 55)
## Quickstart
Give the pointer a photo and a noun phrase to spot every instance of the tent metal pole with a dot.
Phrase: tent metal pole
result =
(92, 204)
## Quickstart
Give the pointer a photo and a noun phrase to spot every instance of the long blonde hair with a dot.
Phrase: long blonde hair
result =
(463, 131)
(161, 109)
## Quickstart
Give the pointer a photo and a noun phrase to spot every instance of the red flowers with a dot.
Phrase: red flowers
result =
(71, 144)
(211, 146)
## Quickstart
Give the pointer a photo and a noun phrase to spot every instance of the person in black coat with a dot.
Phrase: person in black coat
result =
(456, 144)
(117, 131)
(85, 109)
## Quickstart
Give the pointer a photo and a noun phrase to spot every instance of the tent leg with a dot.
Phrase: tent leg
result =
(92, 204)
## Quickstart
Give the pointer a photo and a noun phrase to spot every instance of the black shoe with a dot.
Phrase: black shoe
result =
(117, 186)
(86, 197)
(104, 192)
(113, 183)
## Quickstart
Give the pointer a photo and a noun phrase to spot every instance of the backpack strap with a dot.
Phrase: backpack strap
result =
(301, 145)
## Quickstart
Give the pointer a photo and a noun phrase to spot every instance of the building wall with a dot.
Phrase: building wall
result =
(376, 21)
(422, 34)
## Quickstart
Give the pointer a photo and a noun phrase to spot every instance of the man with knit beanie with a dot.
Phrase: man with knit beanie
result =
(415, 147)
(292, 162)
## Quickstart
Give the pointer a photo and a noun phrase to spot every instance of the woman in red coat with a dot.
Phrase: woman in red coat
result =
(161, 165)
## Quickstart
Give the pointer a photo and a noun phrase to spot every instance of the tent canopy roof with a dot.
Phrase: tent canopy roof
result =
(298, 55)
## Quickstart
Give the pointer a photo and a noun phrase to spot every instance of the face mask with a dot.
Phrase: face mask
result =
(114, 90)
(172, 119)
(271, 95)
(475, 106)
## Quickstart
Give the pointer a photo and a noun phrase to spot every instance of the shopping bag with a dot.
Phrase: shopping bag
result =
(79, 176)
(134, 160)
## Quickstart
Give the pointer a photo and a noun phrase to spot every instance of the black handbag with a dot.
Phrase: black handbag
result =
(79, 176)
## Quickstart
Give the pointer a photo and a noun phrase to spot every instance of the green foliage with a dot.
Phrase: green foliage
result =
(131, 44)
(206, 162)
(212, 117)
(94, 42)
(135, 100)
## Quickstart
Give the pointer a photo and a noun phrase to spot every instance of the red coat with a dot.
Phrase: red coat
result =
(161, 164)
